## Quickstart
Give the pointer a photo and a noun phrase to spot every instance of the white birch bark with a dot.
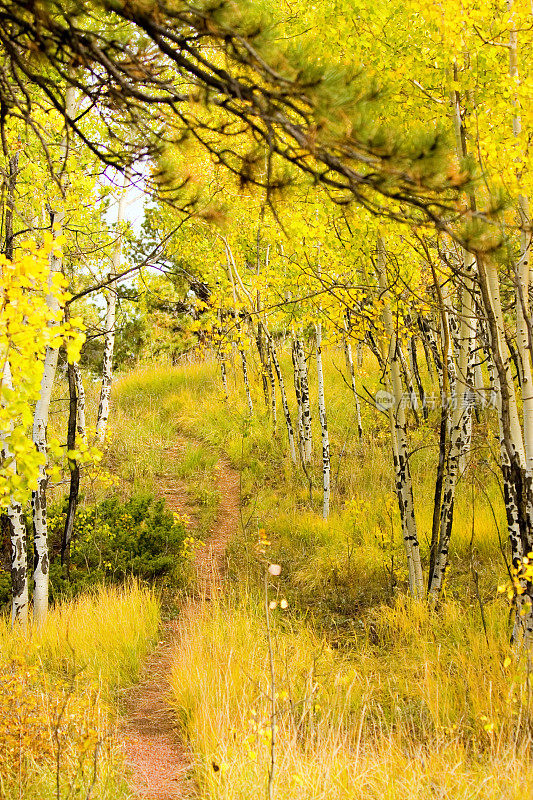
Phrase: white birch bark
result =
(524, 615)
(19, 554)
(298, 394)
(246, 381)
(40, 423)
(272, 383)
(461, 411)
(413, 399)
(326, 464)
(512, 447)
(80, 411)
(304, 399)
(523, 277)
(404, 485)
(110, 323)
(224, 377)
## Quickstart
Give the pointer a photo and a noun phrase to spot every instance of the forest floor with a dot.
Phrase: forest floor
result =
(160, 762)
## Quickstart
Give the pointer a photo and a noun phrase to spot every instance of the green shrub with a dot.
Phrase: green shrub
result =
(114, 540)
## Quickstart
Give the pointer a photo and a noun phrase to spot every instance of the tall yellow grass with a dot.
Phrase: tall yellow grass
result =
(427, 710)
(59, 686)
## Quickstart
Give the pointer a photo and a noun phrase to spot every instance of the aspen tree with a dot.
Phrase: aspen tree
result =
(284, 403)
(80, 406)
(303, 392)
(351, 372)
(17, 525)
(396, 411)
(110, 322)
(233, 275)
(40, 419)
(18, 539)
(326, 462)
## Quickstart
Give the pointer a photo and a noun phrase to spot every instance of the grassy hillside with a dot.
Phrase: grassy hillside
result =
(374, 696)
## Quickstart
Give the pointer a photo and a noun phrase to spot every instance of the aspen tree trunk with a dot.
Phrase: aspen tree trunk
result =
(272, 382)
(404, 485)
(304, 399)
(351, 373)
(359, 355)
(524, 615)
(461, 410)
(224, 377)
(18, 537)
(40, 424)
(14, 513)
(326, 465)
(284, 403)
(110, 322)
(430, 339)
(231, 267)
(263, 358)
(246, 381)
(523, 278)
(517, 479)
(298, 393)
(413, 359)
(422, 325)
(73, 468)
(222, 360)
(444, 391)
(80, 393)
(413, 400)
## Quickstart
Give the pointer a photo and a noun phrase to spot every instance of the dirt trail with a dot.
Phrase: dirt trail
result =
(160, 762)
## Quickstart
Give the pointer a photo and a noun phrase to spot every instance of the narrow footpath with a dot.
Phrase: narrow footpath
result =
(160, 762)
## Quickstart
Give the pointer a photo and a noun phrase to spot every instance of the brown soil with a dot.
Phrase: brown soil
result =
(160, 763)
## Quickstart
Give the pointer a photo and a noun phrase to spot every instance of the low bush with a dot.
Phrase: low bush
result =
(114, 540)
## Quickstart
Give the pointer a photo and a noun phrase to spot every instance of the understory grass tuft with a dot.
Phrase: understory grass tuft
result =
(59, 688)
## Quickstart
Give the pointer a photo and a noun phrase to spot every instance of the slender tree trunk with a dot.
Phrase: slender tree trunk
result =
(80, 393)
(326, 465)
(298, 393)
(263, 359)
(517, 478)
(423, 327)
(272, 383)
(244, 364)
(413, 358)
(359, 355)
(224, 377)
(404, 485)
(351, 373)
(304, 399)
(413, 400)
(73, 468)
(18, 536)
(40, 424)
(284, 403)
(461, 411)
(110, 323)
(14, 513)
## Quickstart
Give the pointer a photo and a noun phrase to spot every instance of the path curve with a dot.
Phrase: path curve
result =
(160, 763)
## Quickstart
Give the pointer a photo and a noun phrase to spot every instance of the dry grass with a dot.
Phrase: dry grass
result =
(426, 711)
(59, 688)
